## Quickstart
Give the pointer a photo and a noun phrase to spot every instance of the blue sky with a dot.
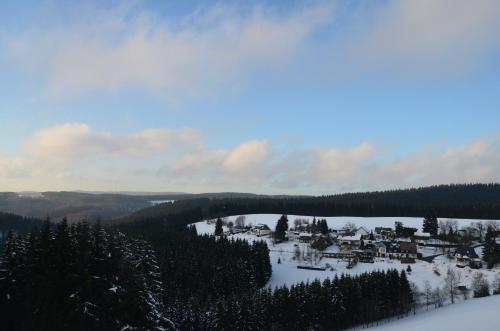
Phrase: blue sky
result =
(306, 97)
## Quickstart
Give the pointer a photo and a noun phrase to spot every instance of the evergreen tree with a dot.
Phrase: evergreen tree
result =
(218, 227)
(491, 250)
(430, 225)
(323, 227)
(399, 228)
(281, 228)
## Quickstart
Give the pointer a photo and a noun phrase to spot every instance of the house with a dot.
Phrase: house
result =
(362, 231)
(407, 232)
(381, 250)
(421, 238)
(465, 251)
(384, 233)
(364, 255)
(421, 235)
(408, 249)
(382, 230)
(398, 250)
(466, 256)
(306, 237)
(261, 230)
(349, 241)
(236, 230)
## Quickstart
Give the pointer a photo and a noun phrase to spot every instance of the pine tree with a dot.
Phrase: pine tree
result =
(491, 250)
(399, 228)
(430, 225)
(281, 228)
(218, 227)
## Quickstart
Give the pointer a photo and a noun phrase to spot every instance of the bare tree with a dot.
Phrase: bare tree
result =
(240, 221)
(495, 225)
(297, 253)
(416, 296)
(297, 223)
(480, 285)
(496, 284)
(480, 228)
(427, 294)
(453, 278)
(438, 296)
(349, 226)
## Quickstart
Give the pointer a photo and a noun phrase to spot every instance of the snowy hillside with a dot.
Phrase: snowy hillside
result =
(337, 222)
(286, 272)
(476, 314)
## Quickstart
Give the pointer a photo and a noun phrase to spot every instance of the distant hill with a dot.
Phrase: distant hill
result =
(93, 205)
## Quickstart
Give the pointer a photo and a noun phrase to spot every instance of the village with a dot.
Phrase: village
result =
(359, 244)
(323, 247)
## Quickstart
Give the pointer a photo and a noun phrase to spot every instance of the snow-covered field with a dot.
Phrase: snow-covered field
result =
(337, 222)
(286, 271)
(476, 314)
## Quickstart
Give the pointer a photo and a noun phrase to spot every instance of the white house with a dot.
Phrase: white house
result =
(261, 230)
(362, 231)
(349, 241)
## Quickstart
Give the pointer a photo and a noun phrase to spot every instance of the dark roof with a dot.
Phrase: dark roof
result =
(466, 250)
(378, 229)
(403, 247)
(408, 247)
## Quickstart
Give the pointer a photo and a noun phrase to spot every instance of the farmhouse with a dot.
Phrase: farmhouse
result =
(261, 230)
(306, 237)
(399, 250)
(362, 231)
(349, 241)
(421, 238)
(385, 233)
(467, 256)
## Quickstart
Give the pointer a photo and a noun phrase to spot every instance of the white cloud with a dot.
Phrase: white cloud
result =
(247, 158)
(219, 49)
(206, 52)
(427, 38)
(76, 141)
(336, 164)
(12, 167)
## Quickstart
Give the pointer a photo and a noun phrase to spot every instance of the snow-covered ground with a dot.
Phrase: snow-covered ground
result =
(338, 222)
(475, 314)
(472, 314)
(286, 271)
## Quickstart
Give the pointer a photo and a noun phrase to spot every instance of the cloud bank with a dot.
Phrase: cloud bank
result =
(179, 160)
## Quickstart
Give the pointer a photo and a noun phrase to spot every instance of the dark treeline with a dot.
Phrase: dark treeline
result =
(17, 223)
(329, 305)
(202, 267)
(475, 201)
(79, 278)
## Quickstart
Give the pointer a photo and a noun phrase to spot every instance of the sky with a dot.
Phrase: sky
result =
(276, 97)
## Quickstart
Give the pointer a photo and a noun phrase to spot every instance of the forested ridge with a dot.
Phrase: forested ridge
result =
(475, 201)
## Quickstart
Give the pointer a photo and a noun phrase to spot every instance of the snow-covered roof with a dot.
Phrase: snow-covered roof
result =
(261, 227)
(422, 234)
(355, 237)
